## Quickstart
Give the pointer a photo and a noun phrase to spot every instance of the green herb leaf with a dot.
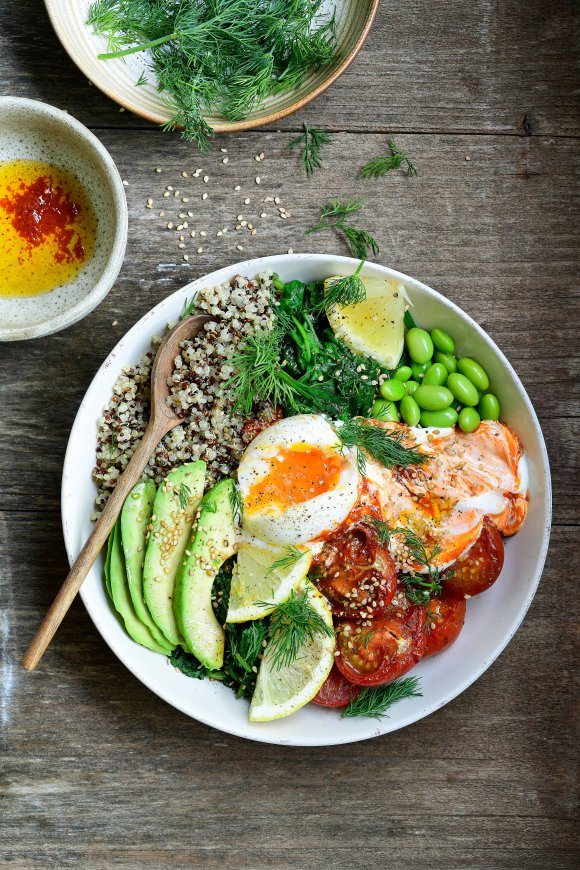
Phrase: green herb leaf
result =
(387, 448)
(420, 588)
(377, 700)
(237, 504)
(379, 166)
(292, 623)
(311, 141)
(188, 309)
(189, 665)
(345, 291)
(332, 216)
(184, 495)
(293, 555)
(142, 80)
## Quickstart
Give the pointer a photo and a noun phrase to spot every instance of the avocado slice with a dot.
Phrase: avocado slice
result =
(173, 514)
(121, 597)
(135, 518)
(212, 543)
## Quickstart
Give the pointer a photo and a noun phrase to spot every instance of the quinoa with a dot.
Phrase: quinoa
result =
(211, 428)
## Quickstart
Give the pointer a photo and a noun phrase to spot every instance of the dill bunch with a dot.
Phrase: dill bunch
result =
(218, 55)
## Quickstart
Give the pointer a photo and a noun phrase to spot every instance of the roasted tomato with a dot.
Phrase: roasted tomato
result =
(479, 568)
(356, 573)
(391, 645)
(445, 618)
(336, 691)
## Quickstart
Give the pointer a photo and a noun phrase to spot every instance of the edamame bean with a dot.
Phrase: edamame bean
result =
(436, 374)
(441, 419)
(488, 407)
(392, 390)
(403, 373)
(410, 411)
(433, 398)
(447, 360)
(419, 345)
(476, 374)
(462, 389)
(468, 420)
(442, 341)
(418, 370)
(383, 410)
(410, 387)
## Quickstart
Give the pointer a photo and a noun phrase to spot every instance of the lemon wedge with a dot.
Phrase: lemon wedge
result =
(264, 573)
(280, 692)
(373, 327)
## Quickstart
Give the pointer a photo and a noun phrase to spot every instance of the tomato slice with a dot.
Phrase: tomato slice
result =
(336, 691)
(445, 618)
(479, 568)
(387, 647)
(356, 573)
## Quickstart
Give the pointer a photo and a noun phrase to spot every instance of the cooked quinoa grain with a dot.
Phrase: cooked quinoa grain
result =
(210, 430)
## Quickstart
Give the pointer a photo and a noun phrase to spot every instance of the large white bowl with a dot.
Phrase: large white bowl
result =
(492, 618)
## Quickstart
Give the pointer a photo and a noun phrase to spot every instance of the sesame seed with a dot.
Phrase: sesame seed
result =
(166, 193)
(257, 179)
(202, 233)
(184, 175)
(277, 200)
(200, 250)
(239, 217)
(157, 169)
(247, 200)
(261, 155)
(192, 234)
(226, 160)
(170, 225)
(205, 179)
(237, 187)
(186, 256)
(263, 214)
(239, 247)
(181, 245)
(161, 214)
(125, 183)
(257, 157)
(204, 196)
(290, 251)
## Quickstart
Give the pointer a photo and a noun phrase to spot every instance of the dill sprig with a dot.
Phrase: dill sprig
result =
(311, 142)
(184, 496)
(379, 166)
(420, 587)
(333, 216)
(222, 56)
(344, 291)
(375, 701)
(188, 309)
(292, 555)
(292, 624)
(386, 447)
(237, 503)
(142, 80)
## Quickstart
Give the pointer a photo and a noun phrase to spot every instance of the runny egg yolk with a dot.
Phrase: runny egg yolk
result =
(297, 474)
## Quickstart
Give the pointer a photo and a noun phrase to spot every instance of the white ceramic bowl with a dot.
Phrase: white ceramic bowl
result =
(31, 130)
(492, 618)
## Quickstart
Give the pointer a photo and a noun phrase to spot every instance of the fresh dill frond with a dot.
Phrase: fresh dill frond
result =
(379, 166)
(420, 587)
(311, 142)
(292, 555)
(292, 624)
(237, 503)
(184, 495)
(188, 309)
(375, 701)
(387, 448)
(341, 292)
(333, 217)
(142, 80)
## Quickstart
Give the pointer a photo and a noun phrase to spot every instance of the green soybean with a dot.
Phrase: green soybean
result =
(462, 389)
(410, 411)
(469, 420)
(488, 407)
(441, 419)
(418, 370)
(419, 345)
(476, 374)
(442, 341)
(392, 390)
(411, 386)
(403, 373)
(436, 374)
(433, 398)
(383, 410)
(447, 360)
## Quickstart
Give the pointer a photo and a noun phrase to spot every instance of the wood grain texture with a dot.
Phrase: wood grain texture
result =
(97, 772)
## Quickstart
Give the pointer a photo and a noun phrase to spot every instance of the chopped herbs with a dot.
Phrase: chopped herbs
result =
(222, 56)
(189, 308)
(292, 623)
(293, 555)
(311, 142)
(379, 166)
(376, 701)
(333, 215)
(386, 447)
(184, 495)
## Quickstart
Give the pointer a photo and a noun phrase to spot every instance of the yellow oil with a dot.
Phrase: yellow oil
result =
(33, 259)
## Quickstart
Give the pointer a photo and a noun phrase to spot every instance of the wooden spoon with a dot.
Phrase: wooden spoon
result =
(162, 419)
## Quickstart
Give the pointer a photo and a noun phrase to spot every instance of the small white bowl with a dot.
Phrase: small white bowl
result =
(492, 618)
(30, 130)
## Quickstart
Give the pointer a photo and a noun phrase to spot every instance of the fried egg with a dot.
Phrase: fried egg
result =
(295, 482)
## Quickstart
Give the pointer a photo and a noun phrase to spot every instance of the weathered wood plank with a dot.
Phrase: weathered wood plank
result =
(429, 65)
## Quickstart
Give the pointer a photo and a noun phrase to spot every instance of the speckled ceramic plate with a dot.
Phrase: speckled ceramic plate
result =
(117, 78)
(30, 130)
(492, 618)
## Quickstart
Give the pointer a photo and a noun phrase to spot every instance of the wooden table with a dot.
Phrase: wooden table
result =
(98, 772)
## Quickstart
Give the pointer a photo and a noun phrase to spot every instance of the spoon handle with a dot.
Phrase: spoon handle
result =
(94, 543)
